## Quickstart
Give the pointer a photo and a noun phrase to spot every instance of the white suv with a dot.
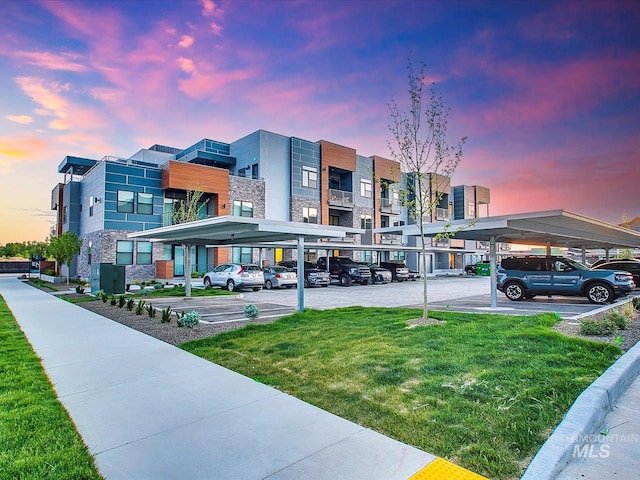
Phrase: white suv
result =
(234, 276)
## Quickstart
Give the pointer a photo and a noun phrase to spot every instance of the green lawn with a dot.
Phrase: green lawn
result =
(482, 391)
(37, 438)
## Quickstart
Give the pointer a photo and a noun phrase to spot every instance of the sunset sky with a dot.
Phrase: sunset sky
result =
(548, 93)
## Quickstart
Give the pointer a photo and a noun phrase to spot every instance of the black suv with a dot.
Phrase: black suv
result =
(313, 276)
(345, 270)
(399, 269)
(526, 277)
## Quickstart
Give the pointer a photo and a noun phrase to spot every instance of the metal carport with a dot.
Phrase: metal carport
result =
(231, 230)
(549, 228)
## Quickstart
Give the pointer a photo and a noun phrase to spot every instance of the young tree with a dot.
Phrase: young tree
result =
(64, 248)
(188, 210)
(427, 160)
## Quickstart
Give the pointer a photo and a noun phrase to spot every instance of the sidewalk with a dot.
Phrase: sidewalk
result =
(149, 410)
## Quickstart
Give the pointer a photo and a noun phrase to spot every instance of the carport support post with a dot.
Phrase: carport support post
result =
(187, 269)
(300, 268)
(492, 272)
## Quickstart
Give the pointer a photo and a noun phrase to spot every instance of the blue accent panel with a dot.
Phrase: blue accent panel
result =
(136, 217)
(115, 216)
(114, 187)
(157, 193)
(113, 206)
(157, 174)
(114, 177)
(131, 226)
(149, 182)
(113, 196)
(150, 225)
(125, 170)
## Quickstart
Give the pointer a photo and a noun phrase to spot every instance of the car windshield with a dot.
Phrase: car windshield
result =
(347, 261)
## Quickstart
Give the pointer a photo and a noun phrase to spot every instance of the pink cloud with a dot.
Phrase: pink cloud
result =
(209, 9)
(29, 149)
(63, 61)
(187, 65)
(21, 119)
(186, 41)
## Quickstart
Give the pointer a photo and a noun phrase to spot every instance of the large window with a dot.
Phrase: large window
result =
(309, 177)
(145, 203)
(309, 215)
(242, 255)
(365, 188)
(125, 201)
(124, 252)
(242, 209)
(143, 253)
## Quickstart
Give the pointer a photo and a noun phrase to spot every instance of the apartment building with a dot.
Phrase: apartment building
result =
(262, 175)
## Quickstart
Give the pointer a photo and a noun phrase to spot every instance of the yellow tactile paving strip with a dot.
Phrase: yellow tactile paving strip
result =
(440, 469)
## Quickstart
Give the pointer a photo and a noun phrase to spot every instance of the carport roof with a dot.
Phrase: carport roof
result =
(556, 227)
(231, 230)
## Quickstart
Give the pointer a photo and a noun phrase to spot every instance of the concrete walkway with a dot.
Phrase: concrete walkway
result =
(148, 410)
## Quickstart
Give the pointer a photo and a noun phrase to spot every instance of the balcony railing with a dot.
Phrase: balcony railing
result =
(340, 198)
(390, 239)
(389, 205)
(348, 238)
(442, 215)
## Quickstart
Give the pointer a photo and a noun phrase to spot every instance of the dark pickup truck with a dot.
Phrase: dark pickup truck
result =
(345, 270)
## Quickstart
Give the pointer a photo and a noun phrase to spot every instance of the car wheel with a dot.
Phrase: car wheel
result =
(257, 289)
(306, 283)
(207, 282)
(345, 280)
(600, 293)
(231, 285)
(268, 285)
(514, 291)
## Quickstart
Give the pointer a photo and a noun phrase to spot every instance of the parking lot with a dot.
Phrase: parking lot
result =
(460, 293)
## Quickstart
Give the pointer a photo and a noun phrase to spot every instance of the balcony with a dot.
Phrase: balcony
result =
(340, 198)
(389, 205)
(348, 238)
(442, 215)
(390, 239)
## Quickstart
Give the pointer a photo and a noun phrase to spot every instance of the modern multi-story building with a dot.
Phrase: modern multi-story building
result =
(262, 175)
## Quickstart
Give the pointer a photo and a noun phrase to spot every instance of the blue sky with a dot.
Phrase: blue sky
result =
(548, 93)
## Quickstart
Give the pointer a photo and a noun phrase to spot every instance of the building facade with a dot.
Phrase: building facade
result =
(262, 175)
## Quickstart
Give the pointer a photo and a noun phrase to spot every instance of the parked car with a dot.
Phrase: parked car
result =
(525, 277)
(414, 275)
(279, 277)
(234, 276)
(345, 270)
(379, 274)
(628, 265)
(313, 276)
(399, 269)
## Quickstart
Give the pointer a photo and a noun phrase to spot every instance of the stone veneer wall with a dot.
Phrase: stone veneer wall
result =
(298, 203)
(103, 250)
(247, 190)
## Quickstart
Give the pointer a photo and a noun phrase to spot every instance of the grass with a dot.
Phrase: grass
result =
(178, 291)
(37, 438)
(483, 391)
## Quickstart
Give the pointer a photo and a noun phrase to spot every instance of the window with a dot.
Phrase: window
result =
(242, 209)
(365, 222)
(145, 203)
(143, 253)
(124, 252)
(91, 200)
(125, 201)
(254, 171)
(242, 255)
(65, 214)
(365, 188)
(471, 209)
(310, 177)
(309, 215)
(334, 220)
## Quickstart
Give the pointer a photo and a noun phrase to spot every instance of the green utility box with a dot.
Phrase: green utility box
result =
(108, 277)
(483, 269)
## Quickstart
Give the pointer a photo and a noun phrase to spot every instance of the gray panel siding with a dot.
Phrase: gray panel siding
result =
(304, 153)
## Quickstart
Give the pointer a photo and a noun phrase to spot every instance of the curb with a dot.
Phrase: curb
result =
(584, 416)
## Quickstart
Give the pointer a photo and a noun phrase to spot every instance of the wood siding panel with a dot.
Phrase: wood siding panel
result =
(332, 155)
(385, 169)
(188, 176)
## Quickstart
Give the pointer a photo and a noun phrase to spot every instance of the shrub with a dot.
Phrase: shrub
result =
(157, 286)
(101, 295)
(165, 315)
(195, 275)
(130, 304)
(619, 319)
(80, 288)
(151, 310)
(122, 301)
(49, 272)
(251, 311)
(636, 303)
(114, 300)
(146, 292)
(140, 307)
(189, 320)
(598, 326)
